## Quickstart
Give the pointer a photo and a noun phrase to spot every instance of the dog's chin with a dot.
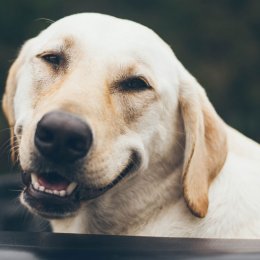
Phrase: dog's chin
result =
(53, 196)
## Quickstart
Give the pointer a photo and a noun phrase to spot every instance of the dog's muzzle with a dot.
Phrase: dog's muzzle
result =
(63, 139)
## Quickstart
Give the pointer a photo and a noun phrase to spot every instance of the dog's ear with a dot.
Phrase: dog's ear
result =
(9, 94)
(8, 101)
(205, 145)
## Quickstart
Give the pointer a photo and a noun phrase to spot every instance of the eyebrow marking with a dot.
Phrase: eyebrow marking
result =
(63, 46)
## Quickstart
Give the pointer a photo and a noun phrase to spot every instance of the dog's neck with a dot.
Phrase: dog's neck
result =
(126, 209)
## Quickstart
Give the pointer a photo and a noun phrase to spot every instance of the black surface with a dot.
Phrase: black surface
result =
(15, 245)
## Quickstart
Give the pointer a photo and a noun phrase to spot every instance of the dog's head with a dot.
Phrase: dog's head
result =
(93, 101)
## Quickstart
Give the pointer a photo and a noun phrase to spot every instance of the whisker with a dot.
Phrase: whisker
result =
(5, 129)
(15, 190)
(47, 20)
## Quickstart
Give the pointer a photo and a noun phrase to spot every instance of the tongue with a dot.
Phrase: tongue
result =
(54, 182)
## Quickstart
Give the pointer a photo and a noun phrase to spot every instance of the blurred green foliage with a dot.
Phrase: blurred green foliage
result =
(218, 41)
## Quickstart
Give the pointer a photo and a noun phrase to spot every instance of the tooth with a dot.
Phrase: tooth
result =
(41, 188)
(34, 178)
(56, 192)
(49, 191)
(71, 188)
(62, 193)
(36, 185)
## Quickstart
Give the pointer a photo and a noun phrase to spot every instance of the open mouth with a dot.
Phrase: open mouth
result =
(54, 184)
(51, 195)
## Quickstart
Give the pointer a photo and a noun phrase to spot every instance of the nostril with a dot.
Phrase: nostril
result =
(45, 135)
(76, 144)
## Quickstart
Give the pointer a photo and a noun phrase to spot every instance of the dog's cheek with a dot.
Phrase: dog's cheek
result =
(135, 105)
(26, 147)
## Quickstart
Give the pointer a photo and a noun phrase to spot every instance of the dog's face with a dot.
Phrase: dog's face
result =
(93, 101)
(89, 109)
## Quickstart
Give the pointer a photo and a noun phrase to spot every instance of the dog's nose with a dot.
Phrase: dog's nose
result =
(62, 137)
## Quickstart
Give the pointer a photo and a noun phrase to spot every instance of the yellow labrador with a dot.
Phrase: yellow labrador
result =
(116, 137)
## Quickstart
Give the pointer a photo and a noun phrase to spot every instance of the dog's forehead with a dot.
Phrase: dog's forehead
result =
(103, 33)
(106, 40)
(103, 48)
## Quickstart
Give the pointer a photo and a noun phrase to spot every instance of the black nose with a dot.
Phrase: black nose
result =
(62, 137)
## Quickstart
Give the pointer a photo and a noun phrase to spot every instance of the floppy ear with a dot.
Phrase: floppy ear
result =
(205, 146)
(10, 89)
(8, 100)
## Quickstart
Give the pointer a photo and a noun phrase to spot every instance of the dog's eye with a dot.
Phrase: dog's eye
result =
(134, 84)
(53, 59)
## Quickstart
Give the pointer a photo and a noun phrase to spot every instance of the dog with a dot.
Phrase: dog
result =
(115, 136)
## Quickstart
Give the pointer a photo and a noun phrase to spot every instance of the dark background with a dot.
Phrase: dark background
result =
(218, 41)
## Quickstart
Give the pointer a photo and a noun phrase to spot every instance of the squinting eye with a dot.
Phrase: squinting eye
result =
(134, 84)
(53, 59)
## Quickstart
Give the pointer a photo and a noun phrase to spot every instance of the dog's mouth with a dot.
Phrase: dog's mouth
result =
(52, 183)
(53, 196)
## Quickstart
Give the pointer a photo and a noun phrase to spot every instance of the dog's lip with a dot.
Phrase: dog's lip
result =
(133, 164)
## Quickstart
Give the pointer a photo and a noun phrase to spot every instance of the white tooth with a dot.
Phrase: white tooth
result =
(62, 193)
(41, 188)
(34, 178)
(49, 191)
(71, 188)
(36, 185)
(56, 192)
